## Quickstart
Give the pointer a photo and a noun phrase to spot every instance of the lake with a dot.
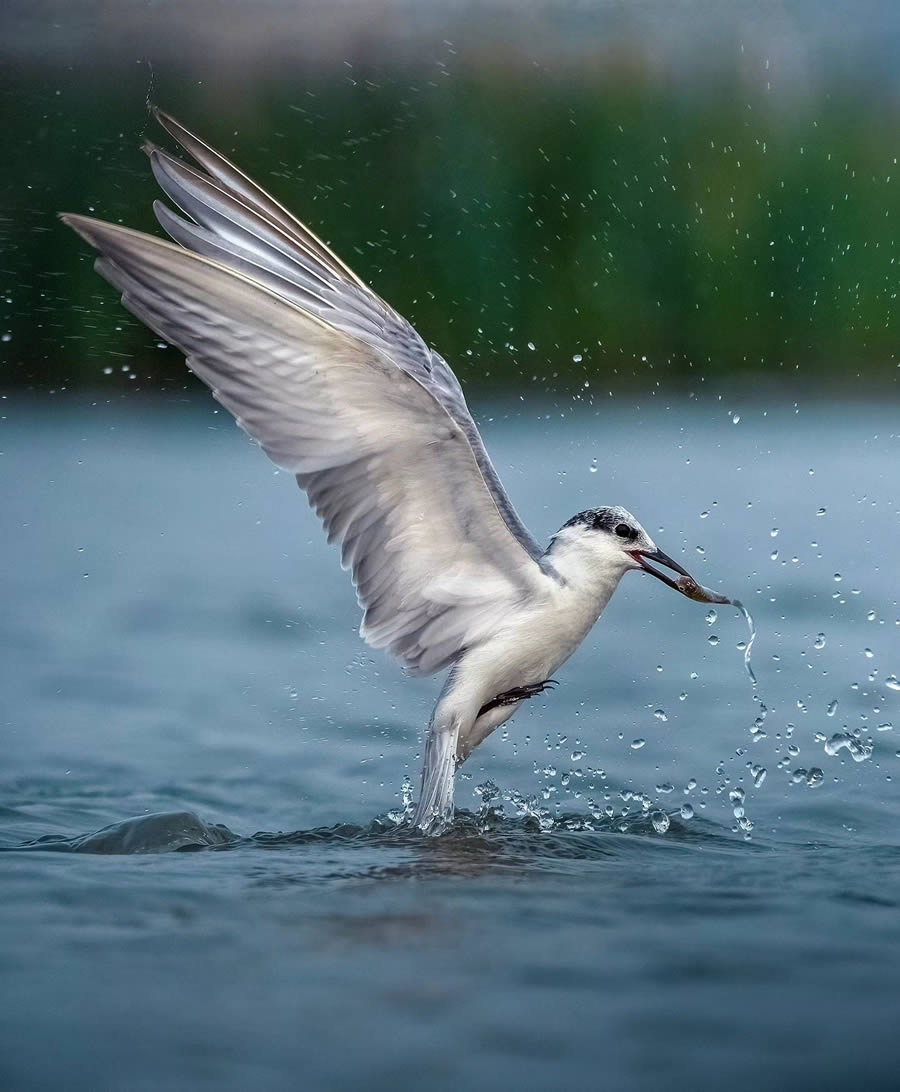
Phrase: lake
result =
(660, 878)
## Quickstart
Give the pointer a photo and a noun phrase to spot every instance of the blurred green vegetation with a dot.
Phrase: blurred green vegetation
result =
(631, 230)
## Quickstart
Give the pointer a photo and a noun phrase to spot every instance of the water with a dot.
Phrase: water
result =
(179, 642)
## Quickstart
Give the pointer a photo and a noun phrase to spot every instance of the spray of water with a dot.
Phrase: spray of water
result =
(748, 618)
(757, 729)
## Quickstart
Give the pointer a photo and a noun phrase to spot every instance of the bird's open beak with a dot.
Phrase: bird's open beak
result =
(642, 557)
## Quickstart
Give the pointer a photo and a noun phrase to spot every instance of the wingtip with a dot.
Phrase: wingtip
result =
(81, 225)
(171, 125)
(72, 220)
(157, 113)
(100, 234)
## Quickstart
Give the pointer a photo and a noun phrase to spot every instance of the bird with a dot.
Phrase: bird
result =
(341, 391)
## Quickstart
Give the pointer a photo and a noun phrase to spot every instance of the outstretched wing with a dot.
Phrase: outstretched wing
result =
(339, 389)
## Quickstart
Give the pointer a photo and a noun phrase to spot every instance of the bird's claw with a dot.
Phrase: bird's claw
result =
(517, 694)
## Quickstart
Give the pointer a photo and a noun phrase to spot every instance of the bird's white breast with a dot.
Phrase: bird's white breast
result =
(535, 639)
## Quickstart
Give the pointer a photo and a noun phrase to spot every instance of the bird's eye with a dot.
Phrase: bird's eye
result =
(624, 531)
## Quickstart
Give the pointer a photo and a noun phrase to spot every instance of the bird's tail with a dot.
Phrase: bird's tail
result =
(435, 807)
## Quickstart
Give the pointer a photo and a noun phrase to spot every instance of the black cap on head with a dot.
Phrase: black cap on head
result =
(613, 520)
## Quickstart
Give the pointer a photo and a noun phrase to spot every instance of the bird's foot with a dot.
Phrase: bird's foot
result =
(517, 694)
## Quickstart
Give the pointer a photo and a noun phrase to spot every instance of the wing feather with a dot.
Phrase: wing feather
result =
(387, 469)
(338, 389)
(252, 214)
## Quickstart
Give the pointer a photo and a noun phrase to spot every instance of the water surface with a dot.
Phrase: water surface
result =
(178, 639)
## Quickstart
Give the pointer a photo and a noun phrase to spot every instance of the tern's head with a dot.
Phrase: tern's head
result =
(607, 542)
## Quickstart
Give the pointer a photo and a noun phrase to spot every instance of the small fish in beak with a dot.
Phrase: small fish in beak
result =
(685, 583)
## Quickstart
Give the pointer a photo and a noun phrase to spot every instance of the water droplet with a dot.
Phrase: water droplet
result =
(593, 466)
(665, 787)
(661, 714)
(837, 578)
(107, 371)
(859, 750)
(821, 512)
(6, 337)
(636, 744)
(892, 683)
(713, 639)
(660, 821)
(886, 727)
(758, 773)
(815, 777)
(819, 641)
(531, 345)
(735, 418)
(773, 533)
(577, 358)
(711, 617)
(703, 515)
(871, 616)
(798, 776)
(832, 708)
(687, 812)
(868, 653)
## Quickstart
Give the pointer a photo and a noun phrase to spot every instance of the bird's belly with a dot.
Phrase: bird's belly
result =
(530, 650)
(525, 652)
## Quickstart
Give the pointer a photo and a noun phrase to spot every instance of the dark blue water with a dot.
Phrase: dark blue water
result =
(178, 640)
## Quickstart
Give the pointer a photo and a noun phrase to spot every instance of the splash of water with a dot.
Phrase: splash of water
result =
(688, 586)
(757, 729)
(405, 812)
(748, 618)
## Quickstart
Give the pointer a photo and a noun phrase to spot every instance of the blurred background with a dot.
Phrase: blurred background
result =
(638, 195)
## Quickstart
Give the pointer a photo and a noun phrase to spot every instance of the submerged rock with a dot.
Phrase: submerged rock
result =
(161, 832)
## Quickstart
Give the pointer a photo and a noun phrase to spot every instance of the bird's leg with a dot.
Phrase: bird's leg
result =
(453, 714)
(517, 694)
(435, 805)
(452, 721)
(453, 717)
